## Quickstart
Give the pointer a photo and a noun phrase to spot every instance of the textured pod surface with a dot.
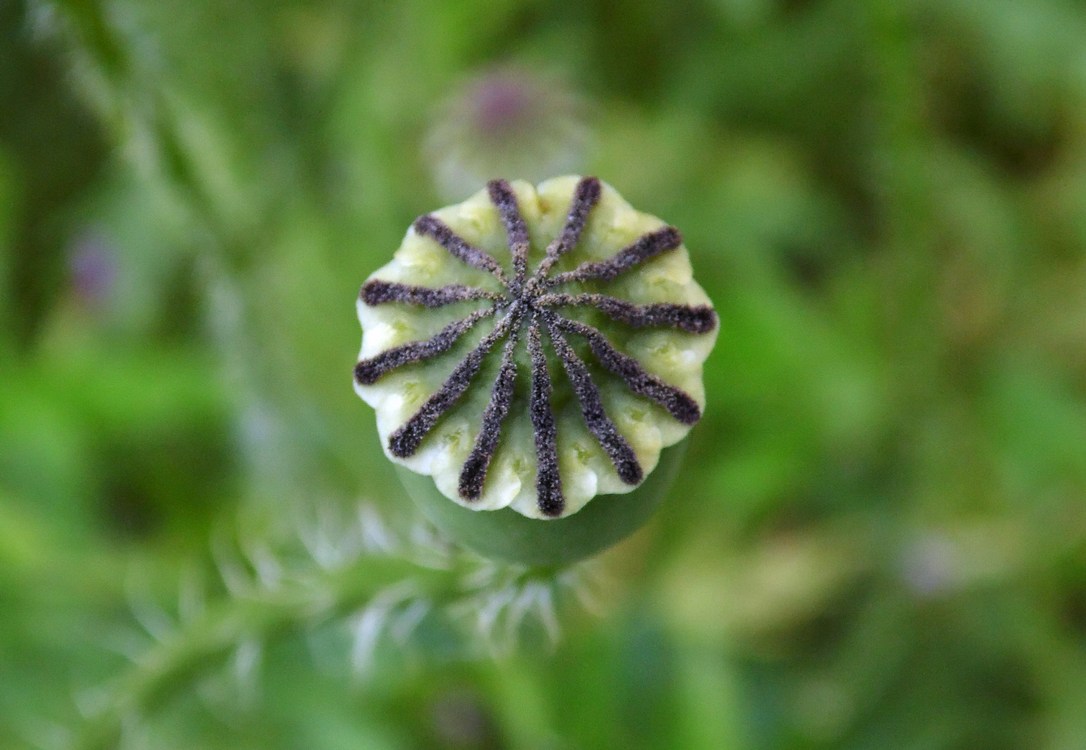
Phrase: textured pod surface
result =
(532, 348)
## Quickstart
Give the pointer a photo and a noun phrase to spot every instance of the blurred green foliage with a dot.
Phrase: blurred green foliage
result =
(880, 537)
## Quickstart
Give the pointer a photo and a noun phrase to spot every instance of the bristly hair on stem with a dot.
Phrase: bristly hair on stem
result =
(530, 299)
(345, 569)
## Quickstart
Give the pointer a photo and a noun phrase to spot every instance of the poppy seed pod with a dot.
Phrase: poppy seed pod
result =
(528, 351)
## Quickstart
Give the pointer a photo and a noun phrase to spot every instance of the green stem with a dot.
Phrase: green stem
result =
(904, 152)
(136, 100)
(264, 616)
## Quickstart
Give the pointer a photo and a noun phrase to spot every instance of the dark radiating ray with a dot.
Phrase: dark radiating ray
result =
(548, 482)
(475, 468)
(406, 440)
(378, 292)
(677, 402)
(434, 228)
(516, 231)
(599, 424)
(643, 249)
(690, 318)
(585, 197)
(368, 371)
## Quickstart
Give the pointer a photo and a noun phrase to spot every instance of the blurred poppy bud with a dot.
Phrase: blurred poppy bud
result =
(504, 121)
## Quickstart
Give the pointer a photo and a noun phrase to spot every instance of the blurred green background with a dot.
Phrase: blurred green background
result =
(879, 539)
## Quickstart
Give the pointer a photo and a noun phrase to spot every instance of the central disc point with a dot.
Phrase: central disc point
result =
(531, 290)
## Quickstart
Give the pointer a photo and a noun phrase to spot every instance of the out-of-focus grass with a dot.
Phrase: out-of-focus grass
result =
(880, 538)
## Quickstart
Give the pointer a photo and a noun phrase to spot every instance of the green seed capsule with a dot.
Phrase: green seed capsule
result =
(507, 535)
(529, 350)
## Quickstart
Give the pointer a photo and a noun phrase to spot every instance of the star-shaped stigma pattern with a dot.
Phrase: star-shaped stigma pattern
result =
(529, 310)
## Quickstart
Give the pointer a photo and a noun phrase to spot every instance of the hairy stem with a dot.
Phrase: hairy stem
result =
(201, 644)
